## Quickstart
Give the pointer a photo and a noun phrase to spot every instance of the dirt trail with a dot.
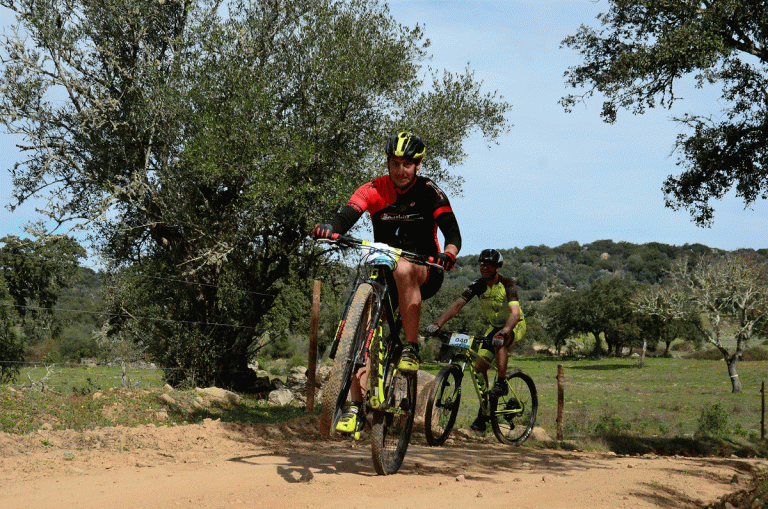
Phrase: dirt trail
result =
(217, 464)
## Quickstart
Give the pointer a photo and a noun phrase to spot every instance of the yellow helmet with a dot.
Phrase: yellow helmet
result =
(405, 144)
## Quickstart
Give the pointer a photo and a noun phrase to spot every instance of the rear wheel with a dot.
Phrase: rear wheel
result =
(443, 405)
(392, 426)
(513, 415)
(336, 389)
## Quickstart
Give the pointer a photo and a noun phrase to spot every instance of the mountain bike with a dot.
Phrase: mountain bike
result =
(370, 329)
(512, 416)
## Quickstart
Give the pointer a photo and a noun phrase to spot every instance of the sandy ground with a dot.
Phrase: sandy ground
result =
(219, 464)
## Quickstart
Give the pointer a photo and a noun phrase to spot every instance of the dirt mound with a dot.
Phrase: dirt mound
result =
(221, 464)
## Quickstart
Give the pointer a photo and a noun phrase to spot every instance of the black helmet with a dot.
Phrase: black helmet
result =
(491, 256)
(405, 145)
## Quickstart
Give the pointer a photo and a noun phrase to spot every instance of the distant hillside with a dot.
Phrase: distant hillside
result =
(542, 270)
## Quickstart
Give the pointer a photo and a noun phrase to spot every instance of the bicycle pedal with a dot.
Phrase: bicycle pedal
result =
(357, 435)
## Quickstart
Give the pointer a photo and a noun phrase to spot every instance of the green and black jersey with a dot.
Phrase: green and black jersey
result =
(495, 301)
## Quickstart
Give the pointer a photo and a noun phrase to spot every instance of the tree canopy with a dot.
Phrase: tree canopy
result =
(199, 142)
(640, 55)
(33, 274)
(721, 296)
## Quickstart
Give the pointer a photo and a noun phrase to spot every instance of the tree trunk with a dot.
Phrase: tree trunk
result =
(642, 354)
(735, 381)
(598, 351)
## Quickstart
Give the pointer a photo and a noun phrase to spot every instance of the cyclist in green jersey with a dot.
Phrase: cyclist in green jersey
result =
(506, 322)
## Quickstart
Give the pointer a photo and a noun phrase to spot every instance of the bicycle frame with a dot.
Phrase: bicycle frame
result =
(461, 346)
(381, 261)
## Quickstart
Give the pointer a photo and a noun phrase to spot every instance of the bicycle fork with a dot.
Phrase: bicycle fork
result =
(376, 381)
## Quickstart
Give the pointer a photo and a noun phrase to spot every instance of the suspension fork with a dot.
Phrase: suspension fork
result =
(378, 395)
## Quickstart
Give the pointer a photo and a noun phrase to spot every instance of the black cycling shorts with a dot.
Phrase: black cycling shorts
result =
(430, 287)
(433, 283)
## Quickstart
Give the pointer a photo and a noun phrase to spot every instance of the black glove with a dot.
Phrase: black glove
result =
(499, 339)
(324, 231)
(445, 260)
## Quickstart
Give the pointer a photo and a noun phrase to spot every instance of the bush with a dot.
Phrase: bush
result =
(296, 360)
(713, 421)
(611, 424)
(682, 346)
(77, 342)
(754, 353)
(711, 354)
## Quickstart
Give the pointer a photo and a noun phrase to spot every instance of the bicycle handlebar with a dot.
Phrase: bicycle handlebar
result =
(347, 241)
(445, 336)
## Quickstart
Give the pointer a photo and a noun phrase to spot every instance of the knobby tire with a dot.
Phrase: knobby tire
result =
(443, 405)
(336, 390)
(391, 432)
(513, 415)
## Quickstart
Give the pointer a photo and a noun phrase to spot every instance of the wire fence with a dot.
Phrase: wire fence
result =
(88, 376)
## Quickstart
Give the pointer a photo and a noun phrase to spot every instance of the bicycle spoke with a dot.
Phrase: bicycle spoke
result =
(513, 415)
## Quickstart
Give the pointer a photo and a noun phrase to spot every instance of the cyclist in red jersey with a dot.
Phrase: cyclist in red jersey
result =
(406, 210)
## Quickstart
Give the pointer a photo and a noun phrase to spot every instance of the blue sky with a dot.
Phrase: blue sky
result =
(555, 177)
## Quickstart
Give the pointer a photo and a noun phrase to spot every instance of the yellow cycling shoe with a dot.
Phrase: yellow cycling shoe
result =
(409, 360)
(348, 421)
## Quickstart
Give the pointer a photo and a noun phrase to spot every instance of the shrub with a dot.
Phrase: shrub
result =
(296, 360)
(711, 354)
(682, 346)
(713, 421)
(754, 353)
(611, 424)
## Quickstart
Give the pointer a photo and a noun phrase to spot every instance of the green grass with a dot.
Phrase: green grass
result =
(659, 405)
(85, 379)
(663, 399)
(25, 411)
(62, 397)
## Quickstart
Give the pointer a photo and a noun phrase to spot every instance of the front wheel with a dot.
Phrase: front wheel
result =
(392, 425)
(513, 415)
(336, 390)
(443, 405)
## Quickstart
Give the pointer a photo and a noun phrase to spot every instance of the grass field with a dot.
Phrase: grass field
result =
(665, 398)
(85, 379)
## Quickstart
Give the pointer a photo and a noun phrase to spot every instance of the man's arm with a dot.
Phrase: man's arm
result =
(514, 317)
(452, 311)
(450, 228)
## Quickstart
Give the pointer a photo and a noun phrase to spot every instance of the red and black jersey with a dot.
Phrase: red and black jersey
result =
(407, 219)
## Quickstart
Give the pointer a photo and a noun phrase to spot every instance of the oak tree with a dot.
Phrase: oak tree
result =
(730, 295)
(638, 58)
(200, 141)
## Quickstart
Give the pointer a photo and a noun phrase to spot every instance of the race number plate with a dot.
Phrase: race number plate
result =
(460, 340)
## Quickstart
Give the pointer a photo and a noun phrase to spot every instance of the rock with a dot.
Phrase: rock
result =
(297, 379)
(322, 375)
(280, 397)
(170, 401)
(424, 383)
(539, 435)
(222, 395)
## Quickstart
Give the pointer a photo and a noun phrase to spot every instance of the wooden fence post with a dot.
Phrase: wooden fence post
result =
(560, 401)
(762, 412)
(312, 361)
